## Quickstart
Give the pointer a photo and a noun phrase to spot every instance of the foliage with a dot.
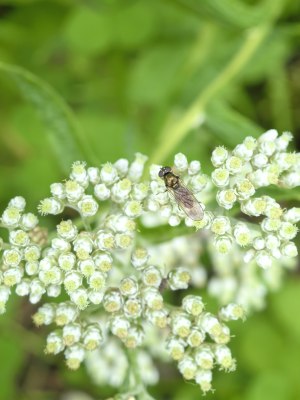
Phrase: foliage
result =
(156, 77)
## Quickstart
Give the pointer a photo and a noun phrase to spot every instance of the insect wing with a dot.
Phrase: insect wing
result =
(188, 202)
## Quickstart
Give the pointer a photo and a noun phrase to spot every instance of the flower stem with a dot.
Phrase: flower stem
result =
(175, 132)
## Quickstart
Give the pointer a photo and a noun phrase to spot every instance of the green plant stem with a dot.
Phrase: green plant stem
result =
(133, 384)
(175, 132)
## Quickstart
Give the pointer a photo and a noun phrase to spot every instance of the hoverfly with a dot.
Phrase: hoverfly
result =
(183, 196)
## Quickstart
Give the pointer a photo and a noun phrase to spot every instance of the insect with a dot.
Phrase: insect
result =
(183, 196)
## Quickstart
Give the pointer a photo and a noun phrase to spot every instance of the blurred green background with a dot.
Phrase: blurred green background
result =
(108, 78)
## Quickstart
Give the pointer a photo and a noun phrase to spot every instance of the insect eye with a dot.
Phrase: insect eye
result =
(161, 173)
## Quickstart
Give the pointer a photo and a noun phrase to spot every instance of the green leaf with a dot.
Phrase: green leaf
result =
(270, 386)
(285, 308)
(154, 74)
(229, 126)
(89, 32)
(60, 124)
(280, 194)
(256, 348)
(234, 12)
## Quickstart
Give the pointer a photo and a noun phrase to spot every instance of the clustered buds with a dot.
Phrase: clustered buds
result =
(113, 278)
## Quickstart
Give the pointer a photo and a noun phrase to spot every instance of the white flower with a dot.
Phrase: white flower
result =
(187, 367)
(289, 249)
(112, 301)
(152, 298)
(180, 162)
(60, 245)
(65, 313)
(196, 337)
(87, 267)
(128, 286)
(71, 334)
(66, 261)
(220, 225)
(268, 136)
(23, 288)
(193, 305)
(50, 206)
(120, 326)
(244, 189)
(37, 289)
(97, 281)
(260, 160)
(120, 190)
(105, 240)
(288, 231)
(12, 257)
(74, 191)
(204, 358)
(220, 177)
(137, 167)
(54, 343)
(234, 164)
(88, 206)
(242, 234)
(108, 174)
(132, 308)
(102, 192)
(204, 378)
(4, 296)
(72, 281)
(32, 268)
(140, 191)
(263, 259)
(74, 356)
(58, 190)
(283, 141)
(122, 166)
(79, 172)
(67, 230)
(80, 298)
(95, 297)
(176, 347)
(94, 175)
(152, 276)
(231, 312)
(219, 156)
(226, 198)
(133, 209)
(11, 217)
(17, 202)
(179, 278)
(174, 220)
(181, 325)
(92, 337)
(54, 290)
(103, 261)
(194, 167)
(28, 221)
(44, 315)
(292, 215)
(139, 258)
(224, 358)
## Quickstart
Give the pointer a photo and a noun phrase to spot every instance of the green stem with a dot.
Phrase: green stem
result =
(174, 133)
(133, 385)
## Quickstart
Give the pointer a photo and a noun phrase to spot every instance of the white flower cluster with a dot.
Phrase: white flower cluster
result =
(252, 165)
(21, 253)
(198, 340)
(112, 265)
